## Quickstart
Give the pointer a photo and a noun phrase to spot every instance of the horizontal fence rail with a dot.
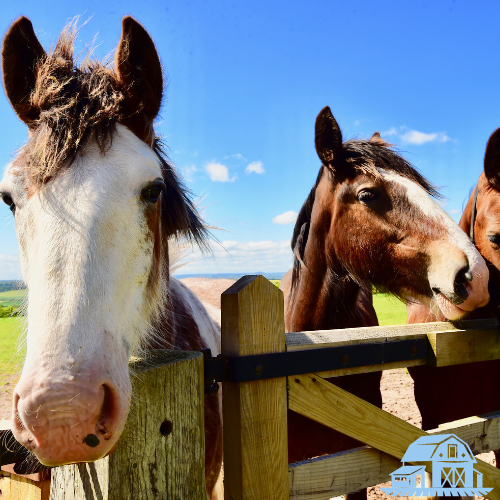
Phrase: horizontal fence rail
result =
(340, 352)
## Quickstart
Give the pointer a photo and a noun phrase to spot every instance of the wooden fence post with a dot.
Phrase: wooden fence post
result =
(161, 453)
(255, 426)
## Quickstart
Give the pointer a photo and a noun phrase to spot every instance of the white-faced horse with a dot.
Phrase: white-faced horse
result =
(95, 202)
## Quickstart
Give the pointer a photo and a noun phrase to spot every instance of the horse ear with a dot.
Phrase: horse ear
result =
(492, 159)
(328, 137)
(21, 52)
(376, 139)
(138, 69)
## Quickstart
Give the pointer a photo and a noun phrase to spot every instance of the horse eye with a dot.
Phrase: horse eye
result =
(152, 192)
(494, 238)
(7, 199)
(367, 196)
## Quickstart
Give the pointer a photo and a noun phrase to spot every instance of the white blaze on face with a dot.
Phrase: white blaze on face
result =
(449, 255)
(86, 255)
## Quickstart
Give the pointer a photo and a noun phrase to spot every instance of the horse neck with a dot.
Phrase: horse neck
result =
(325, 296)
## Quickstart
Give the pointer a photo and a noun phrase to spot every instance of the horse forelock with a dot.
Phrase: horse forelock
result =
(76, 100)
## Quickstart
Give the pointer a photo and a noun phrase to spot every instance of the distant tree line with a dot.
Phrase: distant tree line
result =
(7, 286)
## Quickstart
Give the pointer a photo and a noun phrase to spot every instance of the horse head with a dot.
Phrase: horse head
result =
(94, 202)
(371, 217)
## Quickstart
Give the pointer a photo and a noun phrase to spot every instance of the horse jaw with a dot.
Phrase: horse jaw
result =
(86, 256)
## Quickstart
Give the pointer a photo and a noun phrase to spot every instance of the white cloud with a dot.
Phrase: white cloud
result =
(414, 136)
(286, 218)
(418, 138)
(218, 172)
(235, 257)
(188, 172)
(357, 123)
(255, 166)
(10, 267)
(454, 211)
(237, 156)
(391, 131)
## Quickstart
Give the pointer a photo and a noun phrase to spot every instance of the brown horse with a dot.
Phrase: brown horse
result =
(96, 204)
(369, 220)
(453, 392)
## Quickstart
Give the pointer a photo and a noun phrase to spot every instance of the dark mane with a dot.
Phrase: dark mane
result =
(178, 213)
(75, 102)
(364, 157)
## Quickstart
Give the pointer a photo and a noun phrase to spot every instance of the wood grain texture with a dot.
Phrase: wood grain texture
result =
(334, 475)
(463, 346)
(14, 487)
(371, 368)
(331, 406)
(297, 341)
(145, 464)
(346, 472)
(255, 427)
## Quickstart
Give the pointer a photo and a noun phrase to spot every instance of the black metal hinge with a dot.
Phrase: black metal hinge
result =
(285, 364)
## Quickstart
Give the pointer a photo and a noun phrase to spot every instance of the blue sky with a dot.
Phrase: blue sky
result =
(247, 79)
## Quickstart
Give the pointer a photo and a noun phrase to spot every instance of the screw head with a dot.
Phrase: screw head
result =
(258, 368)
(414, 350)
(344, 358)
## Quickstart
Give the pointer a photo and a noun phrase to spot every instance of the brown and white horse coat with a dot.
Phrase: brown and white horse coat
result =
(370, 220)
(95, 205)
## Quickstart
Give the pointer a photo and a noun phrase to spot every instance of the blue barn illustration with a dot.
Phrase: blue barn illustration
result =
(452, 469)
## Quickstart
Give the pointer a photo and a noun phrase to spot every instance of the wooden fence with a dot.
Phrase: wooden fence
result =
(161, 453)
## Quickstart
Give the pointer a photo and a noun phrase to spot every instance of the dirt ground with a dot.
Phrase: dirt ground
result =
(397, 396)
(6, 387)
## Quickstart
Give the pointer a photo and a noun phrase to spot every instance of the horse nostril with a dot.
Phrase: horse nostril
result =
(107, 415)
(461, 279)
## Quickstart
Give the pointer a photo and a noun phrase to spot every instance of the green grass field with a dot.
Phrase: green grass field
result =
(390, 311)
(10, 328)
(12, 298)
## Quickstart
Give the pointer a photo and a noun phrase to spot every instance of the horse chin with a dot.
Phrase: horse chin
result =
(451, 311)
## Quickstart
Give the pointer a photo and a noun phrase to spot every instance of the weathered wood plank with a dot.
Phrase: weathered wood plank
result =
(463, 346)
(481, 433)
(5, 486)
(255, 427)
(146, 464)
(297, 341)
(329, 405)
(14, 487)
(333, 475)
(371, 368)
